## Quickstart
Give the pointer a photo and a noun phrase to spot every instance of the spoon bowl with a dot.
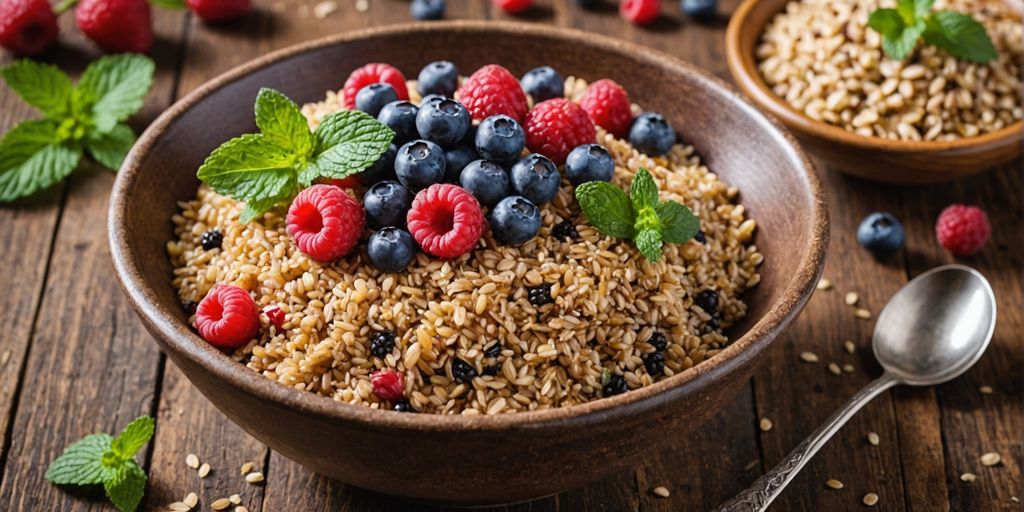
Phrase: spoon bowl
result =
(936, 326)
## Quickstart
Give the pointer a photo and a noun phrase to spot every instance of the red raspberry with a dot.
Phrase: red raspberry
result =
(372, 73)
(608, 106)
(445, 220)
(349, 182)
(228, 317)
(513, 6)
(276, 316)
(556, 126)
(388, 385)
(214, 11)
(27, 27)
(962, 230)
(640, 12)
(116, 25)
(325, 222)
(493, 90)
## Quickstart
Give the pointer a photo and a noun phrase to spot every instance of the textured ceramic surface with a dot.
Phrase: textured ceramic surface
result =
(474, 460)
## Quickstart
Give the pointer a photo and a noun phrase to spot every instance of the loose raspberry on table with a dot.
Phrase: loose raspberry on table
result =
(116, 25)
(513, 6)
(227, 317)
(445, 220)
(27, 27)
(325, 222)
(373, 73)
(607, 104)
(492, 90)
(962, 229)
(215, 11)
(556, 126)
(276, 316)
(640, 12)
(388, 384)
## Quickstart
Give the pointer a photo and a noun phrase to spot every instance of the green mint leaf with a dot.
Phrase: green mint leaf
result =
(109, 149)
(81, 463)
(678, 223)
(607, 208)
(643, 191)
(175, 5)
(347, 142)
(32, 158)
(126, 486)
(116, 86)
(887, 22)
(249, 168)
(280, 120)
(902, 45)
(961, 36)
(43, 86)
(648, 242)
(133, 437)
(913, 11)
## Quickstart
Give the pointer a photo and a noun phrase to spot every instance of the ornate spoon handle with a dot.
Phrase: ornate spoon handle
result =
(758, 496)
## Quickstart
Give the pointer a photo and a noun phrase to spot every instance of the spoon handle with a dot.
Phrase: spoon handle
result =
(762, 492)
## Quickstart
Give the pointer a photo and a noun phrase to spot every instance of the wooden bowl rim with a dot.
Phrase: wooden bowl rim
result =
(184, 342)
(743, 70)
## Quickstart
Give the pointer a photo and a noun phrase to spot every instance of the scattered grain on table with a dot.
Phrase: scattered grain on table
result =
(991, 459)
(832, 483)
(852, 298)
(247, 468)
(825, 284)
(192, 460)
(849, 346)
(808, 357)
(848, 368)
(191, 500)
(204, 470)
(870, 499)
(324, 9)
(235, 499)
(862, 313)
(178, 506)
(220, 504)
(362, 5)
(985, 390)
(241, 508)
(661, 492)
(968, 477)
(765, 424)
(873, 438)
(834, 368)
(254, 478)
(6, 356)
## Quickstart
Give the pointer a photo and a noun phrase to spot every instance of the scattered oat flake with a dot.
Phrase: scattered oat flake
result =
(985, 390)
(247, 468)
(235, 499)
(765, 424)
(324, 9)
(661, 491)
(192, 460)
(870, 499)
(240, 508)
(862, 313)
(220, 504)
(968, 477)
(832, 483)
(362, 5)
(848, 368)
(809, 357)
(991, 459)
(204, 470)
(1014, 499)
(873, 438)
(178, 506)
(834, 368)
(254, 478)
(191, 500)
(825, 284)
(849, 346)
(852, 298)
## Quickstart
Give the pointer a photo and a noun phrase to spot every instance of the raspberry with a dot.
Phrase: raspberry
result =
(556, 126)
(27, 27)
(445, 220)
(388, 385)
(640, 12)
(373, 73)
(116, 25)
(513, 6)
(962, 230)
(492, 90)
(608, 106)
(325, 222)
(349, 182)
(227, 317)
(276, 316)
(213, 11)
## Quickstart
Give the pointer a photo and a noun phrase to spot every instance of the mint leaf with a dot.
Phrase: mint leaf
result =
(116, 86)
(643, 191)
(280, 120)
(109, 149)
(80, 464)
(126, 486)
(961, 36)
(899, 36)
(32, 158)
(43, 86)
(678, 223)
(648, 242)
(913, 11)
(250, 168)
(887, 22)
(607, 208)
(902, 45)
(175, 5)
(133, 437)
(347, 142)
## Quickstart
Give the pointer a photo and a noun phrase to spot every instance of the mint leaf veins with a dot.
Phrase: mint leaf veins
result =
(912, 20)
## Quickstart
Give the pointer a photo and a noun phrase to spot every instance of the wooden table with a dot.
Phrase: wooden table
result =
(75, 360)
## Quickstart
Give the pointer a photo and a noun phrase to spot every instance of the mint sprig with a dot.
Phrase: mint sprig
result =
(88, 117)
(268, 168)
(912, 20)
(101, 459)
(650, 223)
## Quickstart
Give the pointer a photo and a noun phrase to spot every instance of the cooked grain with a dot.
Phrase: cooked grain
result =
(765, 424)
(220, 504)
(832, 483)
(204, 470)
(235, 499)
(192, 460)
(661, 492)
(191, 499)
(178, 506)
(968, 477)
(254, 477)
(851, 298)
(873, 438)
(808, 357)
(990, 459)
(870, 499)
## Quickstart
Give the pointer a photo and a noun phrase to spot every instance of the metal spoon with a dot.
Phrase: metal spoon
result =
(933, 329)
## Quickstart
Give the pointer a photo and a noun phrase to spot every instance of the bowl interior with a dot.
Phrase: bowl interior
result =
(776, 182)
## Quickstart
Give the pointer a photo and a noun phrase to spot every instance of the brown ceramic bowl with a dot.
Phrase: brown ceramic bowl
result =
(902, 162)
(465, 459)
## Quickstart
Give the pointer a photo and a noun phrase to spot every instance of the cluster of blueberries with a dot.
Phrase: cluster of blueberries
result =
(437, 142)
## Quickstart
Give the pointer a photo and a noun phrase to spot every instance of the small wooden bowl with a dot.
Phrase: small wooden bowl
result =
(474, 459)
(891, 161)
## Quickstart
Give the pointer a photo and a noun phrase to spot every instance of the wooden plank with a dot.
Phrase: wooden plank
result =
(974, 423)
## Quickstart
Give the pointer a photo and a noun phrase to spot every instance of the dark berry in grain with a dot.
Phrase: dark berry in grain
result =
(540, 295)
(212, 239)
(712, 325)
(707, 300)
(658, 341)
(700, 237)
(189, 306)
(462, 371)
(655, 363)
(403, 407)
(493, 350)
(382, 343)
(616, 385)
(565, 230)
(492, 370)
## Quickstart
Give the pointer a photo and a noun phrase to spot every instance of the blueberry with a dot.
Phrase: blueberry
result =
(500, 139)
(536, 178)
(487, 181)
(651, 134)
(565, 230)
(658, 341)
(539, 295)
(700, 237)
(382, 169)
(456, 159)
(403, 406)
(707, 300)
(431, 97)
(382, 343)
(654, 363)
(881, 233)
(372, 98)
(386, 204)
(616, 386)
(189, 306)
(514, 220)
(443, 121)
(439, 77)
(427, 9)
(589, 162)
(400, 116)
(543, 83)
(391, 249)
(211, 240)
(419, 164)
(699, 9)
(493, 350)
(462, 371)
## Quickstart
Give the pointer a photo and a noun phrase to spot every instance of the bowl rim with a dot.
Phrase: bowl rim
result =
(744, 73)
(184, 342)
